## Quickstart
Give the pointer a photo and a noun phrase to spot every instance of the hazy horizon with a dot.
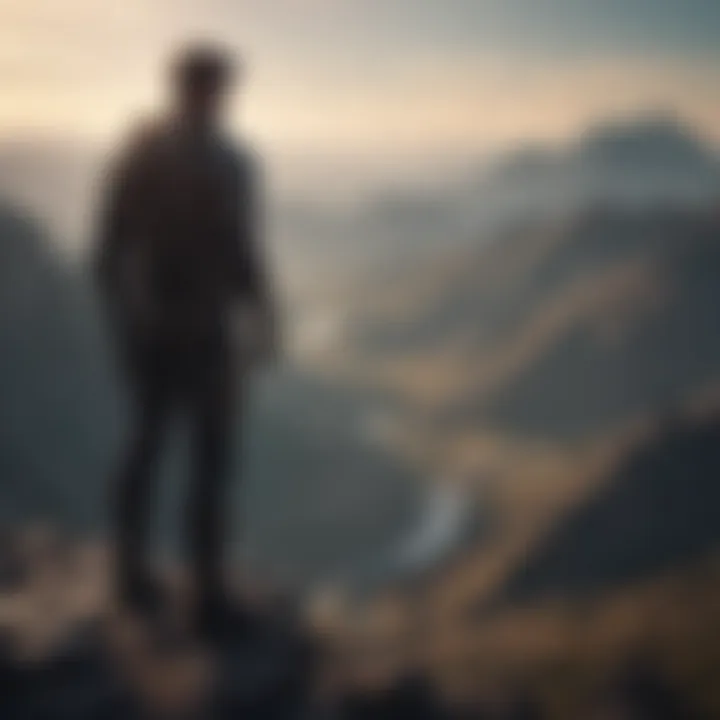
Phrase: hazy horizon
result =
(344, 77)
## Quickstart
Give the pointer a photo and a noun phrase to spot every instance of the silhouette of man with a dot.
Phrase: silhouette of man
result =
(178, 265)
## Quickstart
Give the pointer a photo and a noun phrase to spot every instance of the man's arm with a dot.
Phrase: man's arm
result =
(252, 279)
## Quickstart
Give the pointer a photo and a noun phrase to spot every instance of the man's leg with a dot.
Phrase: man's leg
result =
(213, 418)
(136, 486)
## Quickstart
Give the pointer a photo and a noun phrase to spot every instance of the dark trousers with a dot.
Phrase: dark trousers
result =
(166, 376)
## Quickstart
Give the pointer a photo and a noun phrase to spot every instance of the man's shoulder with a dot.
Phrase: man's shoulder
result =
(145, 134)
(140, 144)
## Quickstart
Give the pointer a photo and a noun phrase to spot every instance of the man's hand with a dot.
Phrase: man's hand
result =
(255, 334)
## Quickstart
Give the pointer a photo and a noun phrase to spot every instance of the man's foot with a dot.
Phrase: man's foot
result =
(142, 594)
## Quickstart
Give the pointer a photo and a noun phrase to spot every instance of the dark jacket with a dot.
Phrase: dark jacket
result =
(178, 244)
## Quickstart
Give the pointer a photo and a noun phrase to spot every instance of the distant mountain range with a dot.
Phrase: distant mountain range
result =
(642, 161)
(653, 159)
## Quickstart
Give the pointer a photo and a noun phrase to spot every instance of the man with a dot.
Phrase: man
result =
(178, 264)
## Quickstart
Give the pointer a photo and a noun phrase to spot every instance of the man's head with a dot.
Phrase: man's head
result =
(202, 76)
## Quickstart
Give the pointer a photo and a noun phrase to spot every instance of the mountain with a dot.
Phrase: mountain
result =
(56, 413)
(641, 333)
(643, 161)
(558, 329)
(54, 180)
(657, 512)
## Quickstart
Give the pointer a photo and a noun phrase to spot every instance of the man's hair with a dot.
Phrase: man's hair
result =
(202, 66)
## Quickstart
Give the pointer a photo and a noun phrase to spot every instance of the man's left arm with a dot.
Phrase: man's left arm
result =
(252, 278)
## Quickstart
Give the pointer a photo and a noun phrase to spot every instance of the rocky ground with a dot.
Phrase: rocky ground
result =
(67, 653)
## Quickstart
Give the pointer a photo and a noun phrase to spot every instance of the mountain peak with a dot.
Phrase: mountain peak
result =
(657, 137)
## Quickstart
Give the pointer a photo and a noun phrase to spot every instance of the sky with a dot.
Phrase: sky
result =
(369, 77)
